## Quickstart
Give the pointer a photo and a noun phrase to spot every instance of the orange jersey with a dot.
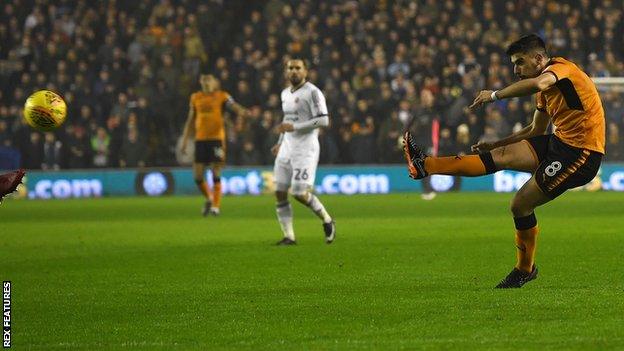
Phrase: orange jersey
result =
(574, 106)
(209, 124)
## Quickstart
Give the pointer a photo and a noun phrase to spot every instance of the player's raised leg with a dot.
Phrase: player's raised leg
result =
(10, 181)
(522, 207)
(303, 195)
(517, 156)
(199, 169)
(304, 173)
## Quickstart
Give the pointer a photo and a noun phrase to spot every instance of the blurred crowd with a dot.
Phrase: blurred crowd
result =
(127, 69)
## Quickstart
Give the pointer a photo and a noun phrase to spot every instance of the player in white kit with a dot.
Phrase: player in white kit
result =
(298, 150)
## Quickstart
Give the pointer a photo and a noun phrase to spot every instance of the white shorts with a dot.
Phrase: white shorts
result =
(296, 172)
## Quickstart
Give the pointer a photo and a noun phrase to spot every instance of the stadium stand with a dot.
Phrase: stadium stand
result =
(127, 69)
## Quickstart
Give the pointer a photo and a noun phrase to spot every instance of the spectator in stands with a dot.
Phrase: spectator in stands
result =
(446, 144)
(381, 54)
(5, 137)
(52, 152)
(328, 144)
(33, 152)
(421, 123)
(264, 137)
(489, 135)
(463, 141)
(363, 130)
(100, 143)
(79, 149)
(133, 151)
(495, 119)
(249, 155)
(615, 143)
(389, 139)
(121, 108)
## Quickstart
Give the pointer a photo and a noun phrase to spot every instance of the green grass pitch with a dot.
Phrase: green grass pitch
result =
(403, 273)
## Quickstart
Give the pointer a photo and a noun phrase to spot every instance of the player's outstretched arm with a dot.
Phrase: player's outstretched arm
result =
(523, 87)
(189, 127)
(239, 109)
(537, 127)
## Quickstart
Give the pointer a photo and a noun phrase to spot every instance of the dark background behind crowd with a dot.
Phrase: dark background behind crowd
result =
(127, 69)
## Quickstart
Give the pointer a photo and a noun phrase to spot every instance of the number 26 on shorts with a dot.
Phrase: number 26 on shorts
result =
(301, 174)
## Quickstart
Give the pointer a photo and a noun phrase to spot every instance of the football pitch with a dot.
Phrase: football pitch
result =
(403, 273)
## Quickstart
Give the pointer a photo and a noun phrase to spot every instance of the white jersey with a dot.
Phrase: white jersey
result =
(302, 105)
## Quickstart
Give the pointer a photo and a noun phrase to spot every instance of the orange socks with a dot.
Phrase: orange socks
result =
(216, 191)
(216, 194)
(526, 239)
(203, 187)
(469, 165)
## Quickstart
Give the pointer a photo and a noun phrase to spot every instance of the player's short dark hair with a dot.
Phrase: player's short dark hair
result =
(525, 44)
(298, 58)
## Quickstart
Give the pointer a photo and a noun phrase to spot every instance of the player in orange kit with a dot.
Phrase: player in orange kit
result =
(565, 97)
(205, 120)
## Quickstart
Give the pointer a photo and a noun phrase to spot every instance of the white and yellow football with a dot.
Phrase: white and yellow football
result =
(45, 110)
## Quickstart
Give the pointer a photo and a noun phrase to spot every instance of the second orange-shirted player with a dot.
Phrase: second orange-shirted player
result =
(205, 120)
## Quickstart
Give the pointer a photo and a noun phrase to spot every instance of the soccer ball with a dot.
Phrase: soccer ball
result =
(45, 110)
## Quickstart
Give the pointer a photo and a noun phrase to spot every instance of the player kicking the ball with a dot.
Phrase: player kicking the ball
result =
(298, 150)
(565, 97)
